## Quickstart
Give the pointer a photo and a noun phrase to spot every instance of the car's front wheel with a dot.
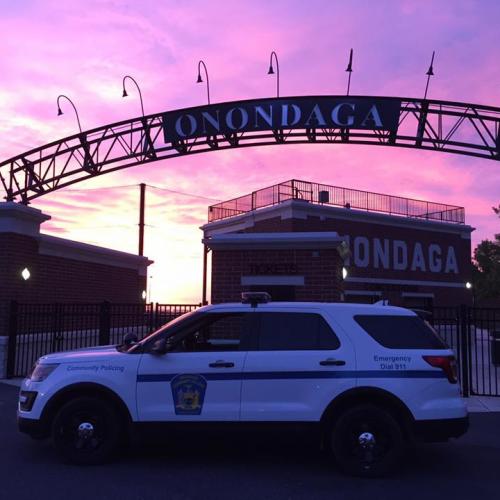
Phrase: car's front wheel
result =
(87, 431)
(367, 441)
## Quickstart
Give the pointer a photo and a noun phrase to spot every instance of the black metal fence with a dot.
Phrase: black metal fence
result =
(38, 329)
(474, 334)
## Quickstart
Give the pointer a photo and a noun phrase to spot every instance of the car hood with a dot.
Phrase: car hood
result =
(88, 354)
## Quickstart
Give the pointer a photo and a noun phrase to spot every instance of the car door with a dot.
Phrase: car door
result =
(298, 365)
(199, 378)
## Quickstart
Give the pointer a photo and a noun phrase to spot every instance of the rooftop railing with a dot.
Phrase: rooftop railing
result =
(323, 194)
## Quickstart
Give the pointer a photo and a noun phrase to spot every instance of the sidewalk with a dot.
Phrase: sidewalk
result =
(481, 404)
(475, 404)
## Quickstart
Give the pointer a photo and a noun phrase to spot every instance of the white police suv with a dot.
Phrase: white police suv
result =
(370, 377)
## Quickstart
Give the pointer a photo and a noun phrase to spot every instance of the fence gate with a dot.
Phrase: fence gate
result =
(474, 334)
(38, 329)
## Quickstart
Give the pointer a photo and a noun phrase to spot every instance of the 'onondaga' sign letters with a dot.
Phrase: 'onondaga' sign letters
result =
(282, 113)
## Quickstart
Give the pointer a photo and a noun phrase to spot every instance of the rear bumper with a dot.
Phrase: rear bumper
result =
(34, 428)
(440, 430)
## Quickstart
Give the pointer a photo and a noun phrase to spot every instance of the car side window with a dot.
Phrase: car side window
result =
(295, 331)
(212, 333)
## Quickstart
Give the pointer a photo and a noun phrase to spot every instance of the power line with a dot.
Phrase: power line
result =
(91, 228)
(182, 193)
(103, 188)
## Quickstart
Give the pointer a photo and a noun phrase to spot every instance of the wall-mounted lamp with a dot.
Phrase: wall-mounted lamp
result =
(25, 274)
(344, 273)
(468, 285)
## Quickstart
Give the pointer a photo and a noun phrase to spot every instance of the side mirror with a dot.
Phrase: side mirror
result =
(160, 347)
(130, 339)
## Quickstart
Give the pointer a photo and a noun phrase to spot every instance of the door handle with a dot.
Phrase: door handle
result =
(221, 364)
(332, 362)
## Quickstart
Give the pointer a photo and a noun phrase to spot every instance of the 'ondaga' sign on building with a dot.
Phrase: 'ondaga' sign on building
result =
(282, 113)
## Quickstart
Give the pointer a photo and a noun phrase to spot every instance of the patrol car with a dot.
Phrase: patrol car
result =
(372, 378)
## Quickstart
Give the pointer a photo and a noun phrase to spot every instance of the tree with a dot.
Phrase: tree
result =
(486, 272)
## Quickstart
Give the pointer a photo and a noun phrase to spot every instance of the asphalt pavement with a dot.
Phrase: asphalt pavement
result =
(271, 467)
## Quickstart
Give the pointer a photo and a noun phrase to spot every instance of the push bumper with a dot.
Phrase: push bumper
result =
(441, 430)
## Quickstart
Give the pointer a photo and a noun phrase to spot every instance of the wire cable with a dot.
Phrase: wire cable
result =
(102, 188)
(182, 193)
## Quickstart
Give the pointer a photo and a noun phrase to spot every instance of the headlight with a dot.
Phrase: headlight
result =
(41, 372)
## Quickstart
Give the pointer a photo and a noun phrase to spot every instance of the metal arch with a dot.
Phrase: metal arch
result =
(452, 127)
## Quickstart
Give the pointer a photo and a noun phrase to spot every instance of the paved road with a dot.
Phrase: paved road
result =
(245, 469)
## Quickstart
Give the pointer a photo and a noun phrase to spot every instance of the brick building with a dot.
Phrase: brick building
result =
(60, 270)
(307, 241)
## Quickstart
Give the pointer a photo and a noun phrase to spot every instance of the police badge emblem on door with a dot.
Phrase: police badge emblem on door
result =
(188, 392)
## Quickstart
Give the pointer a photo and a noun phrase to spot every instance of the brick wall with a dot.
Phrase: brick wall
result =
(370, 230)
(321, 270)
(396, 228)
(67, 280)
(443, 296)
(58, 279)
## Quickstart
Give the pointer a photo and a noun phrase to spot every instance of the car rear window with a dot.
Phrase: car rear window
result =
(400, 332)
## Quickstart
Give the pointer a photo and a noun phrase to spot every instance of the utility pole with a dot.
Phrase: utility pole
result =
(142, 202)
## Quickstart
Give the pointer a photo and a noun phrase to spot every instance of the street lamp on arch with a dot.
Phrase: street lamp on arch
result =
(59, 111)
(271, 71)
(200, 79)
(124, 94)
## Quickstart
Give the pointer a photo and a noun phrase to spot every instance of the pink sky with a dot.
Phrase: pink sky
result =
(83, 50)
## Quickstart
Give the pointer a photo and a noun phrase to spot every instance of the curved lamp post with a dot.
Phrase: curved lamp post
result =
(59, 112)
(271, 71)
(124, 94)
(200, 79)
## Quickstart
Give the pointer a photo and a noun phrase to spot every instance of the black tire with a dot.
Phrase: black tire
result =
(375, 457)
(87, 431)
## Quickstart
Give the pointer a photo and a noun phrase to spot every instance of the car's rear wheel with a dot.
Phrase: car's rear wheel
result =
(87, 431)
(367, 441)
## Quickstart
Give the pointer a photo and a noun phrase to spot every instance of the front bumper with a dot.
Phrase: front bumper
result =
(37, 429)
(440, 430)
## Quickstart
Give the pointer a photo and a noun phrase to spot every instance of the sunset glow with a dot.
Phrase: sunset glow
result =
(84, 49)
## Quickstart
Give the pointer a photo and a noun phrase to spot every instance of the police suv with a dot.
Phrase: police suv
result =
(371, 378)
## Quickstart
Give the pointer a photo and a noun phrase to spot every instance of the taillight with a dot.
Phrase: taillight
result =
(446, 363)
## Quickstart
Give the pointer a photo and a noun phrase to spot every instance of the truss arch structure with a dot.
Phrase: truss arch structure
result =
(451, 127)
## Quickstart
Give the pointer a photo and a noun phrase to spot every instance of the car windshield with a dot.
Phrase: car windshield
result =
(165, 331)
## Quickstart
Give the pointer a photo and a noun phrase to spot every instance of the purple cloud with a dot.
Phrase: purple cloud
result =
(83, 50)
